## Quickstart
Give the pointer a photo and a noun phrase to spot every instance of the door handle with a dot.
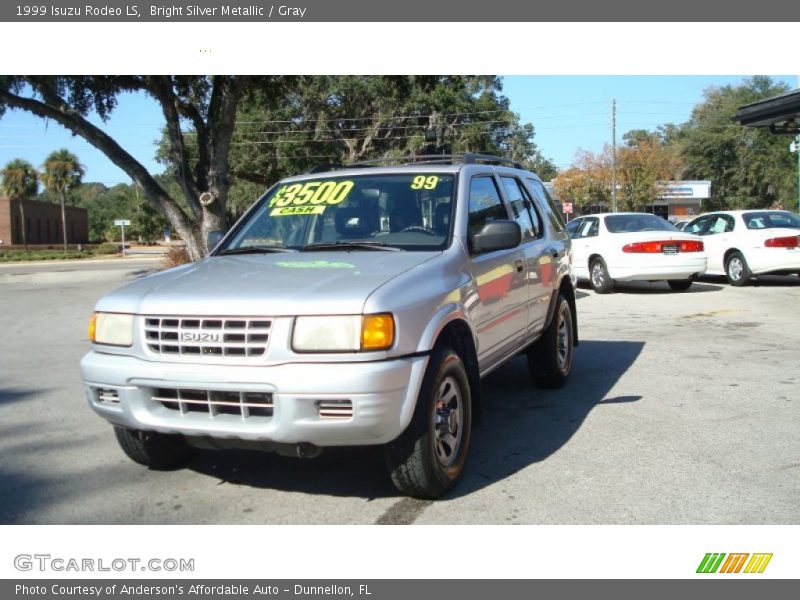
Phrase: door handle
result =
(519, 264)
(553, 252)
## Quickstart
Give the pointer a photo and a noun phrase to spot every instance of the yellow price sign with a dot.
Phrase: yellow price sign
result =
(314, 193)
(424, 182)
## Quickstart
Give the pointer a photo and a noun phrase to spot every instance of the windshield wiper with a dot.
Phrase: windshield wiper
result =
(256, 250)
(351, 245)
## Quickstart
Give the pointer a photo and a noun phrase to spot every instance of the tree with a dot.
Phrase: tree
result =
(588, 182)
(20, 182)
(61, 173)
(642, 164)
(342, 119)
(641, 167)
(267, 127)
(147, 224)
(207, 104)
(747, 167)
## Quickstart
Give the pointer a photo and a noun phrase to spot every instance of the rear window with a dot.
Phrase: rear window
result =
(630, 223)
(770, 219)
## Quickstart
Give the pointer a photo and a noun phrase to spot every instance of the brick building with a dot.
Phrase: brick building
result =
(42, 223)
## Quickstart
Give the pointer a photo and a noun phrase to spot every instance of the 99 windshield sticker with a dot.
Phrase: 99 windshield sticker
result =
(425, 182)
(309, 198)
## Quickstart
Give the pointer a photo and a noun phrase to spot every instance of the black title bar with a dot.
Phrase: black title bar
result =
(406, 11)
(391, 589)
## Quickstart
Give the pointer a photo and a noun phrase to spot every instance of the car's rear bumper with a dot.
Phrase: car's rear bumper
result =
(665, 267)
(381, 396)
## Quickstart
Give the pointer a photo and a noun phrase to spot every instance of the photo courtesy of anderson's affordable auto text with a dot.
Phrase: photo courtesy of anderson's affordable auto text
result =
(269, 286)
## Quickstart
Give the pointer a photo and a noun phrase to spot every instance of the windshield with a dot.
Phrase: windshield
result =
(410, 211)
(628, 223)
(769, 219)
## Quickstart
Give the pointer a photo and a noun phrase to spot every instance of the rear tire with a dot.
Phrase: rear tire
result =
(429, 456)
(680, 285)
(736, 270)
(550, 357)
(599, 278)
(155, 450)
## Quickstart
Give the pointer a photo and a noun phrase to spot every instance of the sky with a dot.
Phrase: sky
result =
(568, 112)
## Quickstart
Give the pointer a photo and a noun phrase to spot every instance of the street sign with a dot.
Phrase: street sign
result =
(567, 207)
(122, 224)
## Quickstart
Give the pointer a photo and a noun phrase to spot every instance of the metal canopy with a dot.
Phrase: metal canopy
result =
(780, 113)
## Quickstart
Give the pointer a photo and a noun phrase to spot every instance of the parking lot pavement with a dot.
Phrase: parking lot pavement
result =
(682, 408)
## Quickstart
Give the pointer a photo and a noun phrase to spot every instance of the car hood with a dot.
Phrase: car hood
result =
(265, 284)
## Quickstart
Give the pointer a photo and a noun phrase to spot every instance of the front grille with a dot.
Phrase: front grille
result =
(207, 337)
(212, 402)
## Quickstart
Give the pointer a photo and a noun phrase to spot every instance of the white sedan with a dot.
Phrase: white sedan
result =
(743, 243)
(611, 247)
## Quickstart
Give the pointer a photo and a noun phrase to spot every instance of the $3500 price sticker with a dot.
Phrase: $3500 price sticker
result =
(308, 198)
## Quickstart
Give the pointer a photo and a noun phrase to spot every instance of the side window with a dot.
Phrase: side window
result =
(484, 203)
(730, 223)
(590, 227)
(697, 226)
(720, 224)
(520, 204)
(546, 203)
(573, 227)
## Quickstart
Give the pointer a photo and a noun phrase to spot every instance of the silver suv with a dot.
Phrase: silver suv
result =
(356, 306)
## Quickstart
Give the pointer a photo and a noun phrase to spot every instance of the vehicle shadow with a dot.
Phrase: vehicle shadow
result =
(523, 425)
(760, 281)
(9, 396)
(659, 287)
(138, 274)
(520, 425)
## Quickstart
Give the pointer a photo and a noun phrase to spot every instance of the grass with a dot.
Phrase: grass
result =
(14, 255)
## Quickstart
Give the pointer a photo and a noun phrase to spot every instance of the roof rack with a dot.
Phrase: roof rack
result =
(324, 166)
(441, 159)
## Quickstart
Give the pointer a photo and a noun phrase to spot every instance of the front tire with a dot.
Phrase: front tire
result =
(158, 451)
(736, 270)
(429, 456)
(550, 357)
(599, 277)
(679, 285)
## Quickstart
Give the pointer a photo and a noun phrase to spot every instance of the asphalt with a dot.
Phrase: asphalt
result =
(682, 409)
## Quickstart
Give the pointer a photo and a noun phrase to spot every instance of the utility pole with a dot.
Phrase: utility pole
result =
(794, 148)
(614, 155)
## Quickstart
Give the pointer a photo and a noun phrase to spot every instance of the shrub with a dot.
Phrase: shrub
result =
(107, 249)
(176, 256)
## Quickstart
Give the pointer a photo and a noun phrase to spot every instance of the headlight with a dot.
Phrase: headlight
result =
(350, 333)
(111, 329)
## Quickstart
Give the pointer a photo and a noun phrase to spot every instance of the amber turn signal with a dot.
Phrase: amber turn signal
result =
(377, 332)
(93, 327)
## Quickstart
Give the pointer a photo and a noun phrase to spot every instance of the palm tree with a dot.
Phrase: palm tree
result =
(20, 181)
(61, 173)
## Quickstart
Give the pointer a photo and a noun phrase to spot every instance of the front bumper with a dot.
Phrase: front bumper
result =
(382, 395)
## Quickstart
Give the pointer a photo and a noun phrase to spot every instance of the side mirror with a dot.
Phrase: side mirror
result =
(214, 238)
(496, 235)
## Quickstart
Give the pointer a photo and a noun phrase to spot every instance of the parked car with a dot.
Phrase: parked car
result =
(611, 247)
(357, 306)
(744, 243)
(679, 225)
